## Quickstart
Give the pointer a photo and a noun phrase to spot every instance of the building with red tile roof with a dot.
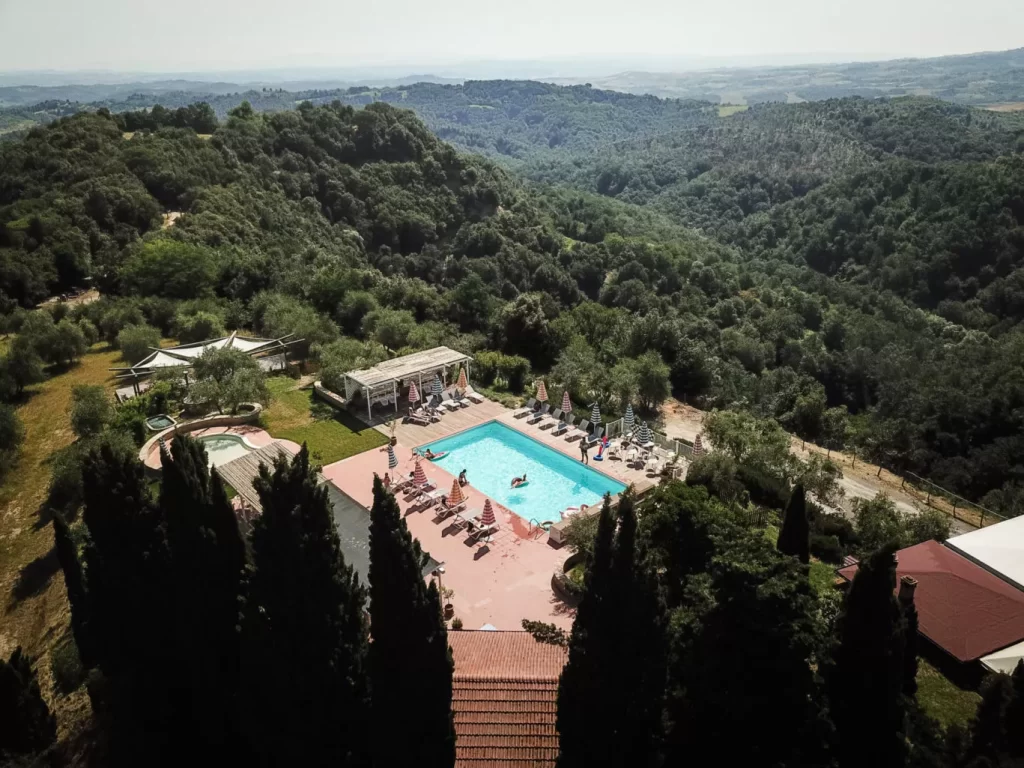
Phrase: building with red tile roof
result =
(962, 608)
(505, 691)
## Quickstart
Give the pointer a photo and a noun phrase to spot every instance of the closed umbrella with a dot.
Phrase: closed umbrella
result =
(698, 448)
(627, 420)
(438, 385)
(487, 518)
(595, 415)
(392, 459)
(463, 382)
(566, 402)
(455, 497)
(645, 435)
(419, 477)
(414, 394)
(542, 391)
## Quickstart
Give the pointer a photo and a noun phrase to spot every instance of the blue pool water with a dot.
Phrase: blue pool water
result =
(492, 454)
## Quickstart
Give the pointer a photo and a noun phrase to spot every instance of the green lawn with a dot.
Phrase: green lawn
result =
(724, 110)
(290, 416)
(943, 700)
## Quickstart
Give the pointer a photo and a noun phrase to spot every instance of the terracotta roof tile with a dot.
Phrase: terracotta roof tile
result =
(504, 699)
(962, 608)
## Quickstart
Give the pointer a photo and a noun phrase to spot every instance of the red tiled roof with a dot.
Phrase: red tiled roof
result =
(504, 699)
(962, 608)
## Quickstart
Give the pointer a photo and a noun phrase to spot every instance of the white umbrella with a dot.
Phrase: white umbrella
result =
(627, 420)
(595, 415)
(438, 386)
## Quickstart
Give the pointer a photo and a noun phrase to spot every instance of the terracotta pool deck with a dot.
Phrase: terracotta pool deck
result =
(500, 582)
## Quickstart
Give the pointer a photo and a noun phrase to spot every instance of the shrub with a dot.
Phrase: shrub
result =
(12, 433)
(514, 370)
(91, 410)
(764, 489)
(137, 342)
(198, 326)
(456, 624)
(485, 367)
(90, 331)
(826, 548)
(68, 672)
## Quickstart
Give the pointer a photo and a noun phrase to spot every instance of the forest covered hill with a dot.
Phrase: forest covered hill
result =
(858, 277)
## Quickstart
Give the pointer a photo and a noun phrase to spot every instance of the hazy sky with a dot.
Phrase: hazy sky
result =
(189, 35)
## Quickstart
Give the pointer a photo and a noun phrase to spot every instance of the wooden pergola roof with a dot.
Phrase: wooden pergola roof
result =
(407, 367)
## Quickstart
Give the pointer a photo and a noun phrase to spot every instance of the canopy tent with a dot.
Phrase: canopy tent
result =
(384, 377)
(184, 356)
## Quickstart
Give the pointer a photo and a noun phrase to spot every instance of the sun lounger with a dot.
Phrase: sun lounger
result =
(447, 510)
(555, 417)
(530, 407)
(461, 399)
(449, 402)
(477, 531)
(417, 418)
(536, 417)
(596, 436)
(563, 426)
(474, 396)
(578, 432)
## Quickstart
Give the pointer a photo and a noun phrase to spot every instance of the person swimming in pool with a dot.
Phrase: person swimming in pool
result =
(517, 481)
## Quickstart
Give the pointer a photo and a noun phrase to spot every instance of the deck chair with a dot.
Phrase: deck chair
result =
(417, 418)
(526, 410)
(447, 510)
(555, 417)
(453, 403)
(579, 431)
(564, 425)
(474, 396)
(462, 399)
(596, 436)
(538, 415)
(477, 531)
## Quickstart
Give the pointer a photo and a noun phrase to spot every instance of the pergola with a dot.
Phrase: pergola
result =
(185, 355)
(383, 378)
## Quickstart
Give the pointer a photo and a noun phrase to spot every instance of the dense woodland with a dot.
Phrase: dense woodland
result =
(363, 233)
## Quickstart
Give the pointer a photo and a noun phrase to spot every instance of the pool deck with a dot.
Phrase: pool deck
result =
(507, 579)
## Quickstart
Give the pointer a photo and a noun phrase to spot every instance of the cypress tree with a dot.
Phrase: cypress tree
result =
(1014, 717)
(910, 639)
(128, 573)
(207, 557)
(866, 679)
(26, 725)
(794, 538)
(989, 732)
(410, 661)
(74, 582)
(638, 676)
(583, 721)
(306, 645)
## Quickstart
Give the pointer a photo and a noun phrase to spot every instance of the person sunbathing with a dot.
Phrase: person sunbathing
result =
(429, 454)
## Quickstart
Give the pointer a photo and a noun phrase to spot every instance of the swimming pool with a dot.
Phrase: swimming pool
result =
(220, 449)
(492, 454)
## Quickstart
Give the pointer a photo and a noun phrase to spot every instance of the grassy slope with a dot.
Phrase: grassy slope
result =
(330, 439)
(35, 603)
(943, 700)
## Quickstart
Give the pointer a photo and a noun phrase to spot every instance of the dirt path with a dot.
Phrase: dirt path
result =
(861, 480)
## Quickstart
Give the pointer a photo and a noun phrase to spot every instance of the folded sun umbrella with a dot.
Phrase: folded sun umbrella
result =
(595, 415)
(419, 477)
(414, 394)
(627, 420)
(392, 459)
(542, 392)
(698, 448)
(645, 435)
(487, 518)
(438, 385)
(566, 402)
(463, 382)
(455, 497)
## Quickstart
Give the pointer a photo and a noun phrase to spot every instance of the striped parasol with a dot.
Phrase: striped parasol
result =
(414, 394)
(463, 382)
(438, 387)
(698, 448)
(419, 477)
(645, 436)
(542, 391)
(595, 415)
(627, 420)
(392, 459)
(566, 402)
(455, 497)
(487, 518)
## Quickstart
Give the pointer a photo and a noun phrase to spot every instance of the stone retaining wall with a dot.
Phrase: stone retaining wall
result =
(332, 399)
